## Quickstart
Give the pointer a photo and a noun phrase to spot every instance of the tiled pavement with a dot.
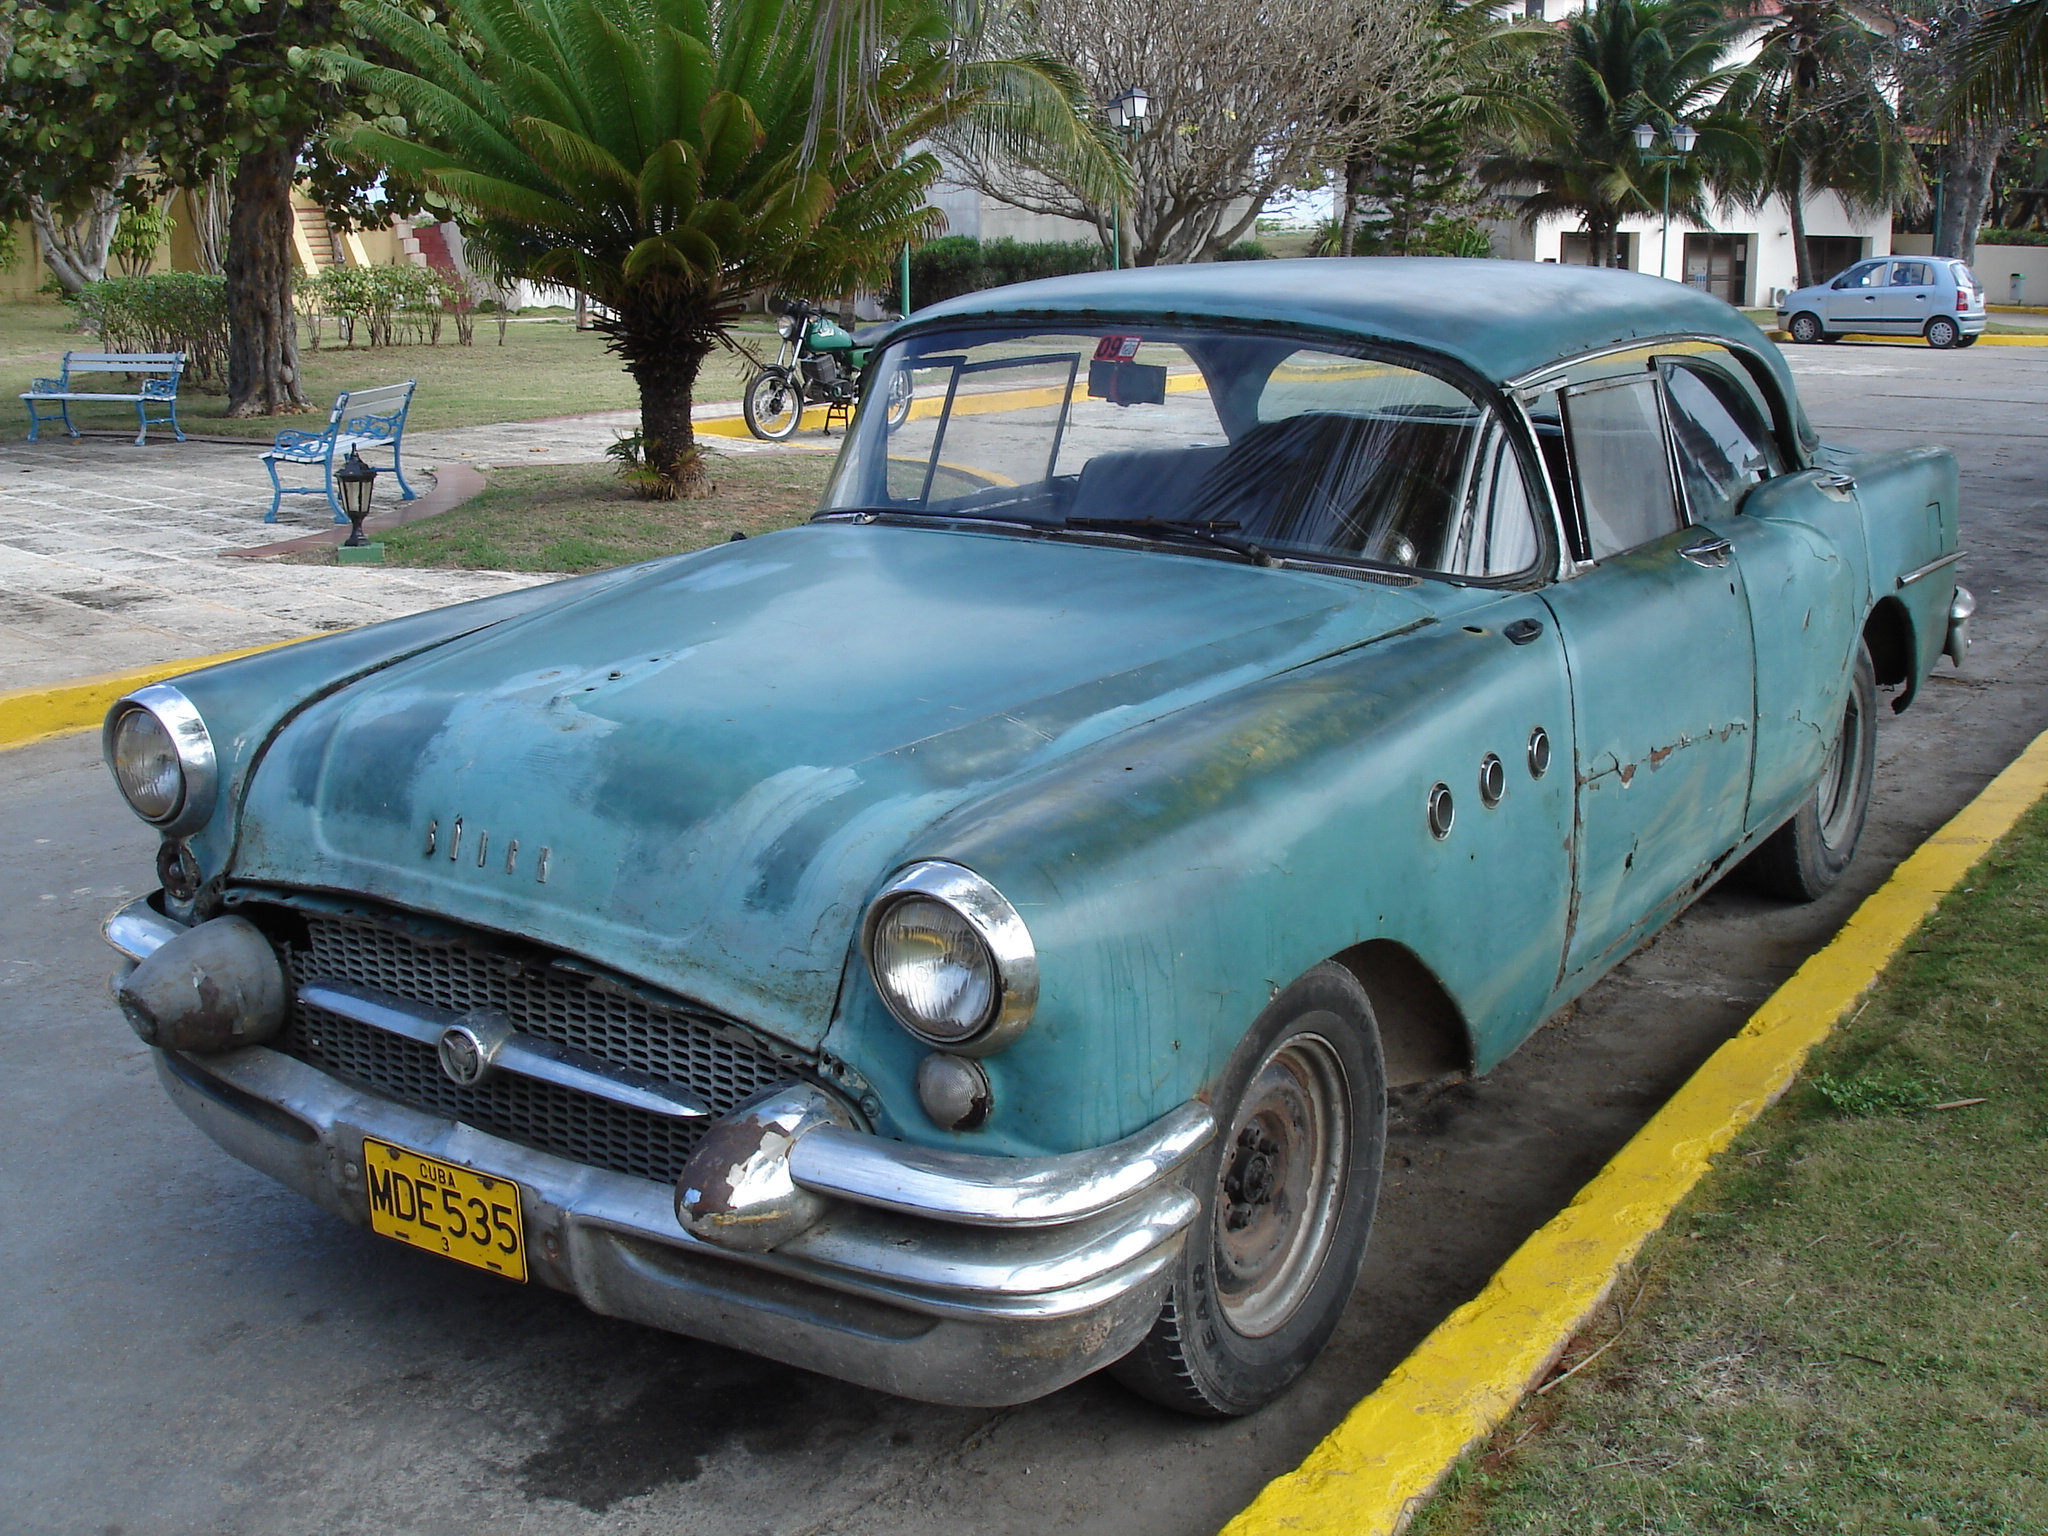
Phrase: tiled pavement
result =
(109, 559)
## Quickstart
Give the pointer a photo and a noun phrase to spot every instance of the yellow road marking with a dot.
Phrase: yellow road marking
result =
(36, 714)
(1372, 1472)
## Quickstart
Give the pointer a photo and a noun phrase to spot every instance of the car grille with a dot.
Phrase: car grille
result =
(715, 1060)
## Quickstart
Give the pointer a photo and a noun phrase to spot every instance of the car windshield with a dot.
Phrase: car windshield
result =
(1261, 445)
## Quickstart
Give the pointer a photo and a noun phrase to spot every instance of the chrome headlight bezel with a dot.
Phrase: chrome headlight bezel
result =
(190, 741)
(1002, 933)
(785, 327)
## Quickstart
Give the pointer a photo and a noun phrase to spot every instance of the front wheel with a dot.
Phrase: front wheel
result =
(1803, 859)
(773, 405)
(1288, 1190)
(1943, 332)
(898, 411)
(1806, 329)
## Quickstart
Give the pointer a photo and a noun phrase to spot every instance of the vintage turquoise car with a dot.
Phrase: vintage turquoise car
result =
(966, 941)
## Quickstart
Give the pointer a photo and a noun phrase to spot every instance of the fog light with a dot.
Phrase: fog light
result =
(954, 1091)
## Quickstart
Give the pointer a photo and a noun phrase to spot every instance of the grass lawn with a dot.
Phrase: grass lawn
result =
(579, 517)
(1846, 1329)
(546, 368)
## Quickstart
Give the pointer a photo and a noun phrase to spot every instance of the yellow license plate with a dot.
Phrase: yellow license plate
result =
(469, 1216)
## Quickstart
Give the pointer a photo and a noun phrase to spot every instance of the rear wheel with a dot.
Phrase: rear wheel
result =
(1806, 329)
(773, 405)
(1943, 332)
(1288, 1190)
(1803, 859)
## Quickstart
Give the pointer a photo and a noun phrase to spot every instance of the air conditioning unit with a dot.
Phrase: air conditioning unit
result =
(1778, 296)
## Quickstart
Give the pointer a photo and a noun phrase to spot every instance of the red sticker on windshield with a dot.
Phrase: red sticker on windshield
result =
(1116, 349)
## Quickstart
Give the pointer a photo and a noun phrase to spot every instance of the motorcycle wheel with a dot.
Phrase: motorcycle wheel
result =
(773, 405)
(899, 399)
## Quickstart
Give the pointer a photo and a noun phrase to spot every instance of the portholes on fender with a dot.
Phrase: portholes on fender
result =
(1539, 752)
(1442, 811)
(1493, 781)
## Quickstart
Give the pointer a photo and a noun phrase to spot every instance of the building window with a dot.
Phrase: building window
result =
(1831, 254)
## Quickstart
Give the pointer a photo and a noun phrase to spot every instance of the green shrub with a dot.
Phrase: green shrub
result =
(1991, 235)
(1244, 250)
(167, 312)
(379, 306)
(961, 264)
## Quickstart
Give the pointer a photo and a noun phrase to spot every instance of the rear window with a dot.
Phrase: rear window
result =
(1965, 278)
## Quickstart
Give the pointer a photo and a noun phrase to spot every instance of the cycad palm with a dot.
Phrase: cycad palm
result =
(665, 157)
(1620, 63)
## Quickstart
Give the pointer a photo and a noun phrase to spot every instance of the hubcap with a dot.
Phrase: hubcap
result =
(1281, 1185)
(774, 403)
(1835, 797)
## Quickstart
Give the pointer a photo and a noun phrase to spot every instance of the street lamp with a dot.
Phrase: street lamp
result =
(1127, 116)
(1683, 137)
(355, 483)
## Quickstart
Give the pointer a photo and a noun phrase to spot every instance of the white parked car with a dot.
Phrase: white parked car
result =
(1932, 296)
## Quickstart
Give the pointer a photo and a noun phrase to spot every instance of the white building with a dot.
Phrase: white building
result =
(1741, 255)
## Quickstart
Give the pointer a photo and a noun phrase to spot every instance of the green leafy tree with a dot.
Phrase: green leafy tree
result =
(667, 157)
(1819, 90)
(1619, 63)
(191, 85)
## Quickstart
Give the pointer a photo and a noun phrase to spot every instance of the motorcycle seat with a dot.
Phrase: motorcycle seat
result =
(871, 335)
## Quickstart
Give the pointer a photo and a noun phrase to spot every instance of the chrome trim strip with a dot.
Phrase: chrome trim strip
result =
(987, 1191)
(519, 1053)
(1929, 568)
(138, 930)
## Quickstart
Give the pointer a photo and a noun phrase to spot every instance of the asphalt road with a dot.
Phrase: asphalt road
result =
(187, 1347)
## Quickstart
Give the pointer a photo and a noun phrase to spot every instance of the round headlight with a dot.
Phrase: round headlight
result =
(785, 327)
(951, 958)
(162, 758)
(146, 765)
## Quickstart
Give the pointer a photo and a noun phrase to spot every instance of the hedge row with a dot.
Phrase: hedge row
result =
(962, 264)
(167, 312)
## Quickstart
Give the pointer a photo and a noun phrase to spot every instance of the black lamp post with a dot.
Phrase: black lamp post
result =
(1683, 137)
(355, 483)
(1127, 116)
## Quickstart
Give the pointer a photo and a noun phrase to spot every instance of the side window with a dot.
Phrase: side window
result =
(1619, 465)
(1912, 274)
(1871, 276)
(1723, 445)
(1496, 534)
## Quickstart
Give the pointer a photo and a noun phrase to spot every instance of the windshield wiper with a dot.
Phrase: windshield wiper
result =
(1213, 532)
(921, 515)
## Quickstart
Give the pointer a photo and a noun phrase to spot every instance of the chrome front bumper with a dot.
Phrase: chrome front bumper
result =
(943, 1276)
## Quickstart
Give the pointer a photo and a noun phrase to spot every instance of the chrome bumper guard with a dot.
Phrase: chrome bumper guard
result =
(1960, 611)
(951, 1277)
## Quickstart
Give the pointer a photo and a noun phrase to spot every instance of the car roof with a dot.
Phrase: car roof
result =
(1501, 319)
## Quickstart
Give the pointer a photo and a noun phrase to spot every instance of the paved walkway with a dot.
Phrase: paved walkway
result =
(110, 554)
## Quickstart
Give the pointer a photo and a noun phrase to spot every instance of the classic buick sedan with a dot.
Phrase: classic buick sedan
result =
(967, 941)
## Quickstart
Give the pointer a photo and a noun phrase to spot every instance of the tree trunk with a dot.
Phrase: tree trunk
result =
(1966, 169)
(668, 442)
(1802, 250)
(263, 346)
(75, 249)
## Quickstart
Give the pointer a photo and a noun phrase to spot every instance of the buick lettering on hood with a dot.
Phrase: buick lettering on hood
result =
(966, 941)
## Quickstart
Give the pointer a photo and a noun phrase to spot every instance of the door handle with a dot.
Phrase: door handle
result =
(1710, 550)
(1522, 631)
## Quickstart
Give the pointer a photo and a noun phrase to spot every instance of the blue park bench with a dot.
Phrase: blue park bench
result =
(363, 420)
(64, 391)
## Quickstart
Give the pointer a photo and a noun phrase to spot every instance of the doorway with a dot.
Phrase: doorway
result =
(1719, 264)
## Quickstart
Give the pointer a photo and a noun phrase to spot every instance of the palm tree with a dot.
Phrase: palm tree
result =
(1817, 89)
(667, 157)
(2005, 66)
(1620, 63)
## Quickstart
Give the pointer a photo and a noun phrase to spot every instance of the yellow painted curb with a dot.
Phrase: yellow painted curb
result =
(1375, 1468)
(1982, 340)
(36, 714)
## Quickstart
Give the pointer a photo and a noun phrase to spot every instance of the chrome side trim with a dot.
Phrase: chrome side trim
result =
(1929, 568)
(138, 930)
(523, 1055)
(996, 1191)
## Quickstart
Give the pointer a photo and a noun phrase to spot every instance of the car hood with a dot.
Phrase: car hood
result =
(699, 776)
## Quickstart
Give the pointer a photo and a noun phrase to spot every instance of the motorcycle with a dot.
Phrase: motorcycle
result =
(819, 363)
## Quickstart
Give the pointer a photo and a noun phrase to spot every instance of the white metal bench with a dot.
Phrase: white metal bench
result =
(366, 421)
(64, 391)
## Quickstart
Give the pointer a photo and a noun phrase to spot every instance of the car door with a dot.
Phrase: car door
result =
(1655, 625)
(1798, 541)
(1852, 299)
(1905, 303)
